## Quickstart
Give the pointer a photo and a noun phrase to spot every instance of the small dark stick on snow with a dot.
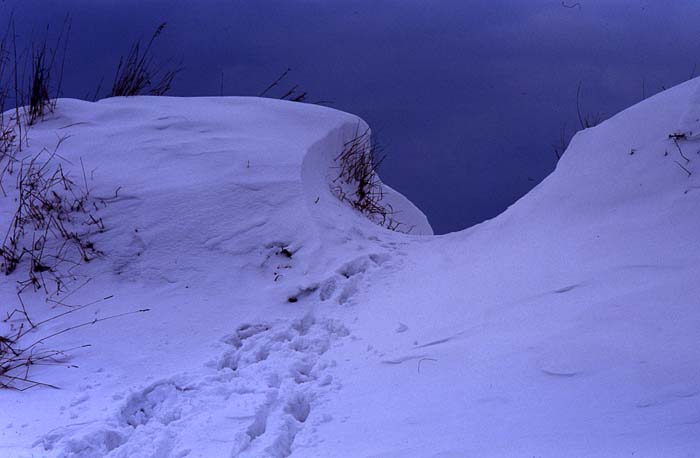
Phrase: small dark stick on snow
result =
(680, 151)
(681, 166)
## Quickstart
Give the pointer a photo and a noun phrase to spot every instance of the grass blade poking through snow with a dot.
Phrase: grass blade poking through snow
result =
(137, 72)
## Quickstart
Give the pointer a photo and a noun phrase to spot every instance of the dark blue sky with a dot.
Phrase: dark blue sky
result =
(467, 97)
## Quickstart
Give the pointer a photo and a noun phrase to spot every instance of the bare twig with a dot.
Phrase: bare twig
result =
(680, 151)
(275, 82)
(683, 167)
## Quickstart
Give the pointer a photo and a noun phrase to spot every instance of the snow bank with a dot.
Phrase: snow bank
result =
(567, 326)
(214, 223)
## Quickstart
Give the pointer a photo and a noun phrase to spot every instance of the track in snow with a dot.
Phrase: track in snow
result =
(257, 396)
(252, 400)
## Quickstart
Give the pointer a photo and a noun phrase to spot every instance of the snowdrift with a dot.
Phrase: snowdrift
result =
(284, 323)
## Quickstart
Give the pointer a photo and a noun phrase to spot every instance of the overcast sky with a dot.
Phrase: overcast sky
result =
(467, 97)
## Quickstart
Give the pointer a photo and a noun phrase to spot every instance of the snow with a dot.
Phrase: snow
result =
(568, 326)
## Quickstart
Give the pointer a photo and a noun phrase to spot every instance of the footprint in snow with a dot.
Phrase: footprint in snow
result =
(263, 388)
(346, 281)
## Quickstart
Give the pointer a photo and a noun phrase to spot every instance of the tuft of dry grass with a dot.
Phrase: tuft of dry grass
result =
(137, 72)
(358, 183)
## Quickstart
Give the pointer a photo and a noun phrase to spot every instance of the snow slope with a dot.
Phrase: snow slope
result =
(569, 326)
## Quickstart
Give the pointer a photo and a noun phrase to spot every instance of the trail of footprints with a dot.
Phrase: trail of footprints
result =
(263, 389)
(345, 283)
(257, 396)
(297, 376)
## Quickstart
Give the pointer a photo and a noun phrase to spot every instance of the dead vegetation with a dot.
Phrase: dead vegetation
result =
(358, 183)
(586, 119)
(55, 219)
(137, 73)
(677, 138)
(46, 73)
(35, 93)
(47, 236)
(52, 225)
(292, 94)
(22, 349)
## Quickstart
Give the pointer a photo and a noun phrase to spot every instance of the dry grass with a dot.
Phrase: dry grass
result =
(137, 73)
(358, 183)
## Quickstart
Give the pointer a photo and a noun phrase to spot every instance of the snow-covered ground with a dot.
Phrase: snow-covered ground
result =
(569, 326)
